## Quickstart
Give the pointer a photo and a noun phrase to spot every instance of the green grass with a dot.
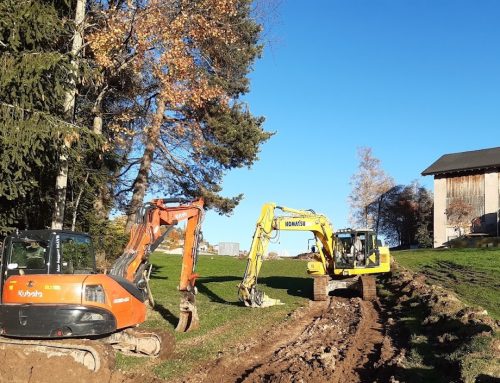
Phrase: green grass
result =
(224, 322)
(473, 274)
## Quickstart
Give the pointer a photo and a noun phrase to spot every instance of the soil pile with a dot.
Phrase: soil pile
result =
(19, 366)
(437, 332)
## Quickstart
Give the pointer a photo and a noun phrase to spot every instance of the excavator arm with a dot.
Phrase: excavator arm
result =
(247, 289)
(292, 220)
(145, 236)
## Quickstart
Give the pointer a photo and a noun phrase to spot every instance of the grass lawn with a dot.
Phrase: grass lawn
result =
(223, 320)
(474, 274)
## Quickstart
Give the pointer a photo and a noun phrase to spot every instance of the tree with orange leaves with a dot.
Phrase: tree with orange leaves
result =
(192, 59)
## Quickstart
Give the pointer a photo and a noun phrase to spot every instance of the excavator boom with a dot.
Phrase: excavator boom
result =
(146, 236)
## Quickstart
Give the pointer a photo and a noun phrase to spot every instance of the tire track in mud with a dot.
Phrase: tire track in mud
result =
(365, 349)
(256, 352)
(340, 340)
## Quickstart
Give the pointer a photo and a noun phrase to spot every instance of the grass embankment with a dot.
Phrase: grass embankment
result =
(445, 340)
(224, 322)
(473, 274)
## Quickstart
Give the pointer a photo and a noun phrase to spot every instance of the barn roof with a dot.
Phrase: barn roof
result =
(465, 161)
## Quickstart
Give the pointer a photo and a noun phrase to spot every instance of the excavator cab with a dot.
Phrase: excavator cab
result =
(46, 252)
(356, 248)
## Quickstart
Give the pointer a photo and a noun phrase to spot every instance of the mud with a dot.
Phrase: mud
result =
(350, 340)
(17, 365)
(341, 340)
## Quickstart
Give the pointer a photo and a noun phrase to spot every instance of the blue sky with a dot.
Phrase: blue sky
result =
(411, 79)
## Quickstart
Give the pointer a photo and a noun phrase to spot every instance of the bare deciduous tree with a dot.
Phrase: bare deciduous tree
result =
(368, 185)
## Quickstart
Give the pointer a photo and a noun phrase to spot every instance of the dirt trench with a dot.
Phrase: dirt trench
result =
(340, 340)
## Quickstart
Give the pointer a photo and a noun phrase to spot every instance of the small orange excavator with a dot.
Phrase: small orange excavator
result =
(50, 290)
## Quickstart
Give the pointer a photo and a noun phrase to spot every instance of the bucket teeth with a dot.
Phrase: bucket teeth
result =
(268, 302)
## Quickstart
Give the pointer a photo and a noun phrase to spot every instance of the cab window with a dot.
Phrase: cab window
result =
(77, 255)
(31, 255)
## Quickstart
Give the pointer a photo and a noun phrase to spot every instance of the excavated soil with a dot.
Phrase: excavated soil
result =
(17, 365)
(340, 340)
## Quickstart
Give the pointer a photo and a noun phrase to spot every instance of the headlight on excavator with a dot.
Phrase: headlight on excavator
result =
(95, 293)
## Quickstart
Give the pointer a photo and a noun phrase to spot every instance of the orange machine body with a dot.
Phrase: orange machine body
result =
(69, 290)
(51, 290)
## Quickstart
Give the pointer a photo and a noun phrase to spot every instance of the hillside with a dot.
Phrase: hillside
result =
(473, 274)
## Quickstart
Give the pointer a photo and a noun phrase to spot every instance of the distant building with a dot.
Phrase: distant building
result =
(203, 246)
(229, 248)
(472, 177)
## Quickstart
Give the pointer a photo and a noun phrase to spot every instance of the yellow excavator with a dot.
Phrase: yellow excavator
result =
(347, 258)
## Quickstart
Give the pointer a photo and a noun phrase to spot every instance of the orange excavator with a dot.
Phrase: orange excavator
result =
(50, 290)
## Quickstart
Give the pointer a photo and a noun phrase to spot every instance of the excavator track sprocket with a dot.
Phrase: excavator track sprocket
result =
(320, 288)
(143, 342)
(90, 353)
(368, 287)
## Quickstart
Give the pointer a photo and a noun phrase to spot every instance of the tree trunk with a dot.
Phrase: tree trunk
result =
(101, 199)
(77, 203)
(69, 106)
(141, 181)
(97, 123)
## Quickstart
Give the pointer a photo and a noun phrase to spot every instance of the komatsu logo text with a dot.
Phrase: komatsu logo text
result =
(295, 223)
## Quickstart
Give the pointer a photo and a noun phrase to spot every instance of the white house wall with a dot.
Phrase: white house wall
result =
(491, 201)
(439, 211)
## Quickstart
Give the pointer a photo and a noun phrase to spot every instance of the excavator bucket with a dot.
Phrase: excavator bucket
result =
(268, 302)
(188, 317)
(188, 321)
(257, 298)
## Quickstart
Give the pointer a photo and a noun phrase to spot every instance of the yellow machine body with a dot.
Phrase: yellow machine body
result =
(342, 254)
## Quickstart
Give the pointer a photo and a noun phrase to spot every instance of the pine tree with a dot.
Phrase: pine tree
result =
(36, 74)
(33, 80)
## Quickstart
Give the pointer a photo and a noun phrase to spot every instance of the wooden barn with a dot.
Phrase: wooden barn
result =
(473, 179)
